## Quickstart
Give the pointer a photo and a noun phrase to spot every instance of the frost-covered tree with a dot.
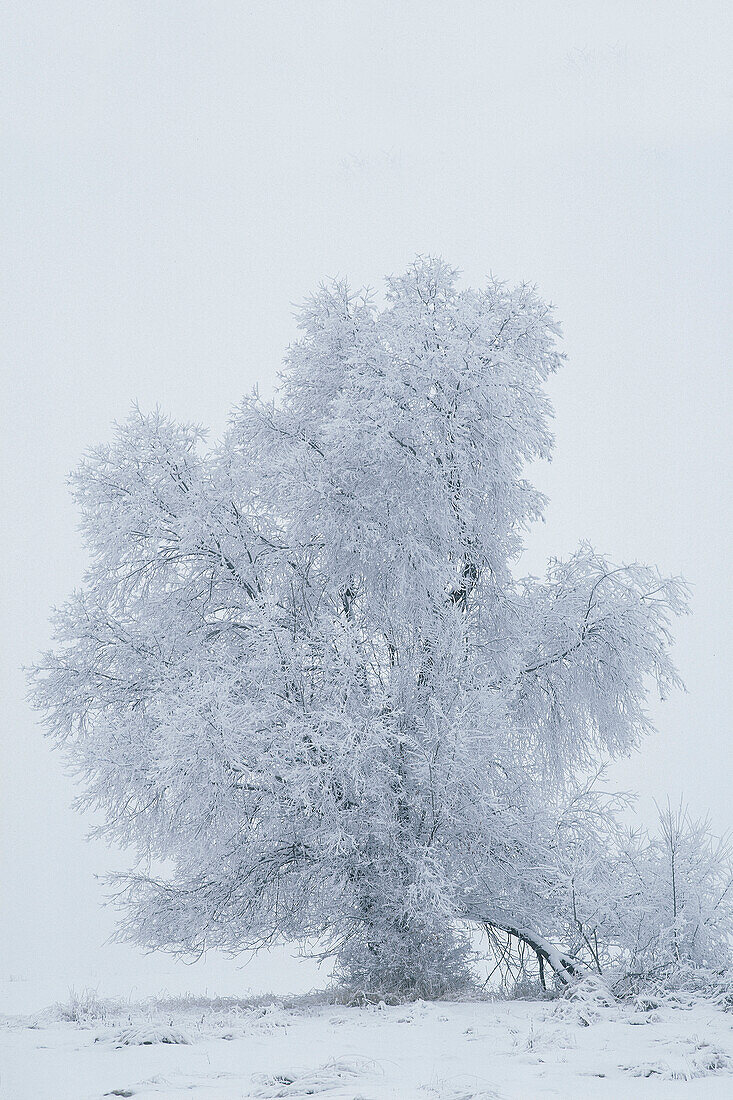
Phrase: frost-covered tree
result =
(302, 681)
(659, 907)
(678, 895)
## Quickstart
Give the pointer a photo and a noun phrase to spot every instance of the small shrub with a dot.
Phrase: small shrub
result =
(85, 1007)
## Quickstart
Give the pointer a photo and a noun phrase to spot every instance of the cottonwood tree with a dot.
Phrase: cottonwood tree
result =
(302, 681)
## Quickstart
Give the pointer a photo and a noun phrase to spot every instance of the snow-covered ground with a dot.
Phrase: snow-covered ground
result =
(233, 1049)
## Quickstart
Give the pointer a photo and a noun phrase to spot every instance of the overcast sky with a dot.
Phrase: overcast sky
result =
(176, 176)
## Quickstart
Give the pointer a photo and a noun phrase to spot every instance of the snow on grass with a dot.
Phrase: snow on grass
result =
(146, 1034)
(686, 1061)
(310, 1082)
(580, 1048)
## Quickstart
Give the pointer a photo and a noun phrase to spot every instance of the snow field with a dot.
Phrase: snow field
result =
(229, 1049)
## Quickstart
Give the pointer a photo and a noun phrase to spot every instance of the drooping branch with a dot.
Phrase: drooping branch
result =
(567, 969)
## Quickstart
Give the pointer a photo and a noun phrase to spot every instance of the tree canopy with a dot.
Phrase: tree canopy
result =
(302, 681)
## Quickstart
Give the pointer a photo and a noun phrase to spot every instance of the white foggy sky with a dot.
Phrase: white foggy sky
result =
(177, 175)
